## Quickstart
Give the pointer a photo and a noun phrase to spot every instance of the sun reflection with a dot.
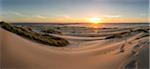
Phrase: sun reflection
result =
(93, 25)
(96, 27)
(95, 20)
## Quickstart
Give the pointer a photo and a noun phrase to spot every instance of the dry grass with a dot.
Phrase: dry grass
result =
(29, 34)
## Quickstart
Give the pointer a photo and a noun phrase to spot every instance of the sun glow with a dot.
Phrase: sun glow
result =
(95, 20)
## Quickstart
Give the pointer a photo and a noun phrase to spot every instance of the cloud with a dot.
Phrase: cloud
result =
(64, 16)
(112, 16)
(143, 14)
(41, 17)
(0, 18)
(18, 14)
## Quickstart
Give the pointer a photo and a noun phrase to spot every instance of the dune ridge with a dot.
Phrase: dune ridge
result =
(20, 53)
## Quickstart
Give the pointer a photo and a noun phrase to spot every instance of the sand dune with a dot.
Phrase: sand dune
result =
(100, 34)
(0, 47)
(79, 38)
(20, 53)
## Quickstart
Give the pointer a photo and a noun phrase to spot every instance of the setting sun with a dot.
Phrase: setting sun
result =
(95, 20)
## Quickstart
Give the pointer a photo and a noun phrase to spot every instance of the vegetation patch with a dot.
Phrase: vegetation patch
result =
(117, 35)
(29, 34)
(51, 31)
(145, 35)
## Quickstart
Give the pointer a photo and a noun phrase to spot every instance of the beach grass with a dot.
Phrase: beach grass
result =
(29, 34)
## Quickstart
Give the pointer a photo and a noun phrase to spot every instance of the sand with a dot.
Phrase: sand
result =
(0, 47)
(20, 53)
(143, 58)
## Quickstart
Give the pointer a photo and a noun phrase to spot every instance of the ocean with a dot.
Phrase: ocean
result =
(102, 25)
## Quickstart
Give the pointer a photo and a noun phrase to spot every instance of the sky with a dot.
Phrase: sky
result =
(71, 11)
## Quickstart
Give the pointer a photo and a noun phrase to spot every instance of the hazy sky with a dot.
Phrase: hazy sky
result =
(74, 10)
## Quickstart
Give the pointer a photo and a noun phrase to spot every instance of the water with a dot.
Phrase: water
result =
(106, 25)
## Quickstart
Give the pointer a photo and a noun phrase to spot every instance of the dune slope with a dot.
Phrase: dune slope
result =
(20, 53)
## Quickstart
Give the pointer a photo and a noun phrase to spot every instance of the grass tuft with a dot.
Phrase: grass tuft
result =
(29, 34)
